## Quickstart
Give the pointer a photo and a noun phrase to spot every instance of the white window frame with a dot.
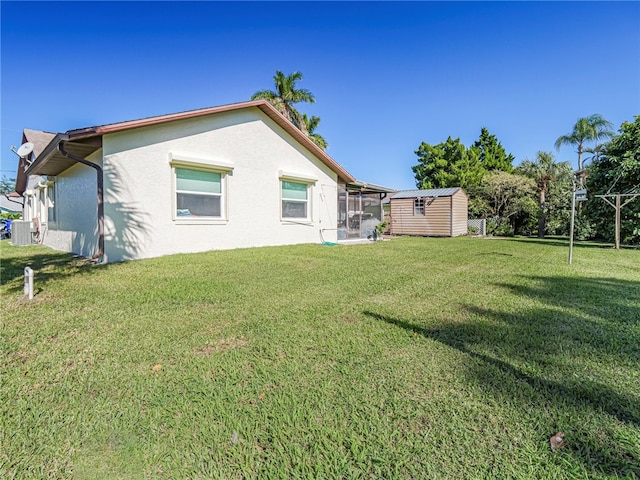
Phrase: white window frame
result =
(29, 211)
(42, 211)
(419, 207)
(309, 181)
(52, 212)
(189, 162)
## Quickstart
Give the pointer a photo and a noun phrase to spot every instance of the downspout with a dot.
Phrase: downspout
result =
(383, 195)
(98, 168)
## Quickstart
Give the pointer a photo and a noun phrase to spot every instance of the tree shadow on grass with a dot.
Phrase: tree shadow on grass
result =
(564, 242)
(463, 337)
(514, 360)
(46, 267)
(612, 301)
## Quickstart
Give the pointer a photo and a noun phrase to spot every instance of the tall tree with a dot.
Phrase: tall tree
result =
(7, 184)
(311, 124)
(492, 155)
(447, 164)
(544, 171)
(617, 171)
(286, 95)
(505, 199)
(586, 129)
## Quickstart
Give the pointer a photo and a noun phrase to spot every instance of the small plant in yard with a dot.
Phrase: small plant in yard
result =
(413, 358)
(379, 230)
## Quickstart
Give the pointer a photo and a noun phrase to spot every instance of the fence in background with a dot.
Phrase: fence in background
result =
(477, 227)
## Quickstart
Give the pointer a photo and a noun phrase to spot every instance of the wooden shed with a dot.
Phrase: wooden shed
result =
(440, 212)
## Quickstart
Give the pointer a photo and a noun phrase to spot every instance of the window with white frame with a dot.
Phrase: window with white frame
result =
(295, 200)
(42, 204)
(199, 193)
(51, 202)
(418, 206)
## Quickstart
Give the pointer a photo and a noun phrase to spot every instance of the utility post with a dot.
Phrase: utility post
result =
(579, 195)
(573, 217)
(618, 206)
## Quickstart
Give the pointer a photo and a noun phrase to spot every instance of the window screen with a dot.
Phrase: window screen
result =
(198, 193)
(294, 199)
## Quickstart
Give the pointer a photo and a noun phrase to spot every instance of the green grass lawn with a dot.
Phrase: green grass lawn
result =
(411, 358)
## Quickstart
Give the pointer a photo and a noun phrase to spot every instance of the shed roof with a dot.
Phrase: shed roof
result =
(432, 193)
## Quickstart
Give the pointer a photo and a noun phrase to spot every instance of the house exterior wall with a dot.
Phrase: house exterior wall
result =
(139, 187)
(76, 211)
(443, 217)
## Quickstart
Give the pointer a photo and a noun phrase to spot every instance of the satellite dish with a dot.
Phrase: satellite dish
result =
(25, 150)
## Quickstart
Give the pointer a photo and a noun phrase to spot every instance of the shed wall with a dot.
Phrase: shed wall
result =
(436, 222)
(459, 214)
(444, 216)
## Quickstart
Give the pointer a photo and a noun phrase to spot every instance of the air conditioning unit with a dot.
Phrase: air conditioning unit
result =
(21, 232)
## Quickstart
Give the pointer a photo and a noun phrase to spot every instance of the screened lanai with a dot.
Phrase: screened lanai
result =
(360, 209)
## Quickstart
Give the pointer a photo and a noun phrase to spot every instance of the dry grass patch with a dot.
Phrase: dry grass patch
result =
(223, 345)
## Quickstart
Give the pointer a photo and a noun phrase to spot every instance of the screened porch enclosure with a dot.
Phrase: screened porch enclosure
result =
(359, 210)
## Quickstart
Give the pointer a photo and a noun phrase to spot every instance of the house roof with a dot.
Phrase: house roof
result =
(40, 140)
(432, 193)
(366, 187)
(84, 141)
(9, 206)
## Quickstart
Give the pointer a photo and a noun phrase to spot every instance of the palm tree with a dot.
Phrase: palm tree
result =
(311, 124)
(586, 129)
(285, 96)
(545, 170)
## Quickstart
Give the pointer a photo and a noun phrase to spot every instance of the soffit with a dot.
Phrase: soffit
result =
(58, 163)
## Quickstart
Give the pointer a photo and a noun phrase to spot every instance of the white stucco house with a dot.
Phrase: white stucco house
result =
(233, 176)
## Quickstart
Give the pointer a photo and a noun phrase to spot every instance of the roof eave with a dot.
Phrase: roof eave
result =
(262, 105)
(372, 186)
(25, 170)
(50, 150)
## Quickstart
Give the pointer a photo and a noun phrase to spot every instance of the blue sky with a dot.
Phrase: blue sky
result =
(386, 75)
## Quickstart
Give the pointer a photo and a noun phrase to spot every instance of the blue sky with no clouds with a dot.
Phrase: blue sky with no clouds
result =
(386, 75)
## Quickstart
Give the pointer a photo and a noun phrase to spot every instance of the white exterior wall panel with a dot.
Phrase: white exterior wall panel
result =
(139, 204)
(76, 226)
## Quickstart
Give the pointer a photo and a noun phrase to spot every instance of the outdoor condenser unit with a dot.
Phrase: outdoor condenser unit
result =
(21, 232)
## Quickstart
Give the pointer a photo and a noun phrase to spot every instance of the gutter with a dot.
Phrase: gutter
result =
(10, 198)
(100, 182)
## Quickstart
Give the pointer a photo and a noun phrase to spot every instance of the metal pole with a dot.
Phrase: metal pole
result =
(573, 215)
(617, 222)
(28, 282)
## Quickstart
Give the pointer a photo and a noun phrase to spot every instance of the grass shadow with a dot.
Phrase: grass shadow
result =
(564, 242)
(47, 266)
(504, 374)
(609, 300)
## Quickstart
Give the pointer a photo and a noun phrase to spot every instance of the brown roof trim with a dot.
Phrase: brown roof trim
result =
(262, 105)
